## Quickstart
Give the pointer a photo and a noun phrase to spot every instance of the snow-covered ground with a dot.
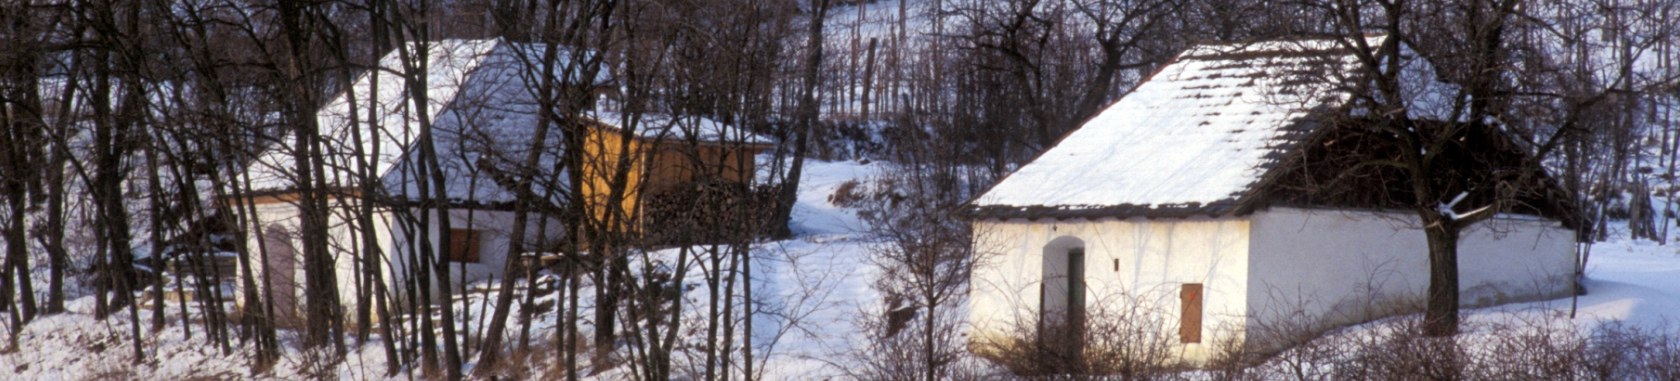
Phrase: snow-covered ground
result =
(1627, 326)
(1637, 282)
(814, 288)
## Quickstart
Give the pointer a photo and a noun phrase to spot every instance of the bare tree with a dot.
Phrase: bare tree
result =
(1480, 48)
(23, 124)
(808, 114)
(1057, 62)
(925, 258)
(561, 74)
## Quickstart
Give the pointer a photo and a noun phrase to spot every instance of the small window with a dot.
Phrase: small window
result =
(1190, 315)
(463, 245)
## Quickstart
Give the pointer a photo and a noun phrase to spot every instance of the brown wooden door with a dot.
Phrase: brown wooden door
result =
(1190, 313)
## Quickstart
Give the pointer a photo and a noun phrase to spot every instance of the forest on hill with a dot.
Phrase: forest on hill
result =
(144, 145)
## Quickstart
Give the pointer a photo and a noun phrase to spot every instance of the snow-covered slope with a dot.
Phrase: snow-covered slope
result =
(815, 290)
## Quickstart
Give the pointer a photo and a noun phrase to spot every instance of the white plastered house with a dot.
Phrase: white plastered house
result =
(1197, 197)
(482, 115)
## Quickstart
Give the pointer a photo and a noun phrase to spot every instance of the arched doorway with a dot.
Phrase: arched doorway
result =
(1062, 299)
(280, 274)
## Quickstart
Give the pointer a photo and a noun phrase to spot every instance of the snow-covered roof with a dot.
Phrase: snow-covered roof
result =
(482, 113)
(475, 101)
(1196, 136)
(664, 127)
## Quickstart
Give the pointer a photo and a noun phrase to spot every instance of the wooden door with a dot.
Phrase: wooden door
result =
(1190, 313)
(1076, 287)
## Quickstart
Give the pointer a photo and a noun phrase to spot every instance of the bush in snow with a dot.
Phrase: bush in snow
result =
(1122, 337)
(1541, 346)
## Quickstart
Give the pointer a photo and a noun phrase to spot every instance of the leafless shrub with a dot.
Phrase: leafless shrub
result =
(847, 195)
(1230, 360)
(1541, 345)
(1124, 339)
(1530, 348)
(318, 364)
(925, 260)
(525, 364)
(1277, 349)
(113, 370)
(1399, 350)
(1290, 342)
(900, 354)
(1293, 344)
(1617, 351)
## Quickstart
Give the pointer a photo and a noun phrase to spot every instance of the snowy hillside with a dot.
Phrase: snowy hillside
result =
(813, 286)
(986, 189)
(815, 289)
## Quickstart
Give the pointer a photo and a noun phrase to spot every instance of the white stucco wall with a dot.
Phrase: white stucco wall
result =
(493, 226)
(343, 241)
(1337, 267)
(1139, 260)
(1278, 269)
(394, 241)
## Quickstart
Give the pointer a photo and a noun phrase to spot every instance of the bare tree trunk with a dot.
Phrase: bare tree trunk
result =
(21, 117)
(58, 257)
(374, 289)
(53, 238)
(323, 314)
(113, 141)
(1440, 317)
(434, 196)
(524, 198)
(16, 270)
(569, 343)
(154, 198)
(258, 315)
(745, 256)
(714, 317)
(808, 114)
(868, 79)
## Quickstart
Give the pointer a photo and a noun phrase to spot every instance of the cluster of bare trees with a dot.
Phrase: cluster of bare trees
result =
(88, 124)
(134, 122)
(127, 124)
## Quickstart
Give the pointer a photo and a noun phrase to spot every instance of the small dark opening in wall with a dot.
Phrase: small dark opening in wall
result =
(463, 245)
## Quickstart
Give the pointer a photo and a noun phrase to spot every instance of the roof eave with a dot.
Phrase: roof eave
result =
(1123, 211)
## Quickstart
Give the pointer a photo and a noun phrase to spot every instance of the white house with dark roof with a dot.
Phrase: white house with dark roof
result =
(1188, 198)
